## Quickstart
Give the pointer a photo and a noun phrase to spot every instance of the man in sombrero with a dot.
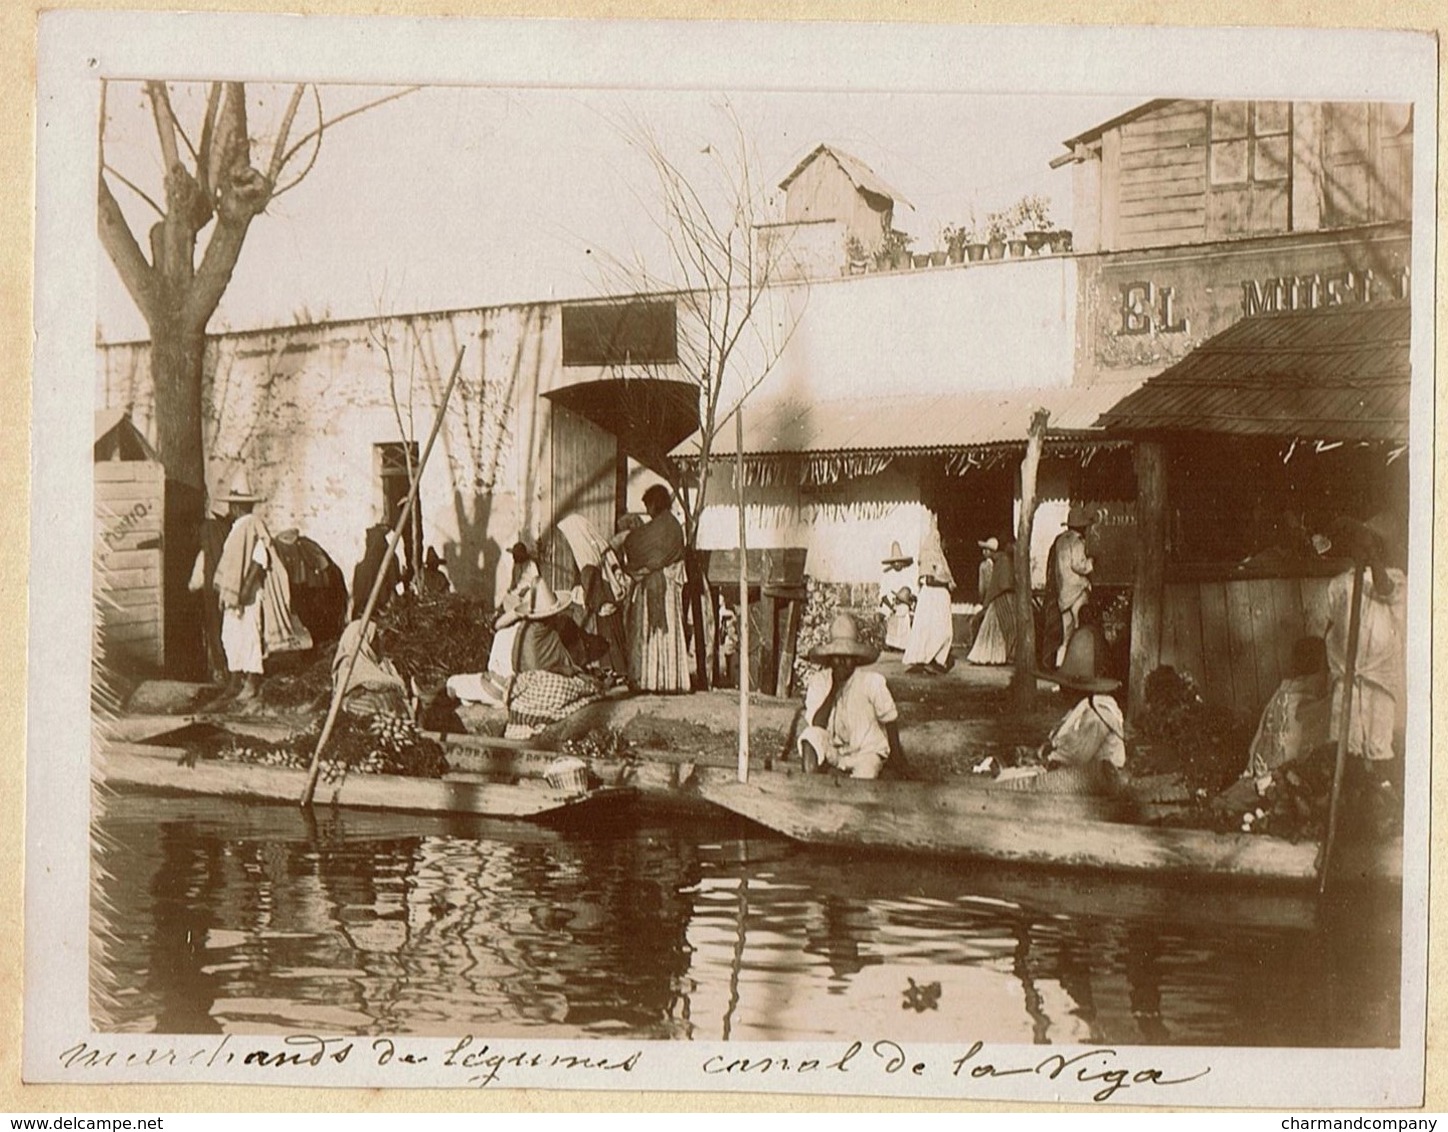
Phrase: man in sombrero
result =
(851, 722)
(1093, 731)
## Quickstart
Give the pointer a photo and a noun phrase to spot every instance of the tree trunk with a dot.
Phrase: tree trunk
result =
(176, 374)
(1023, 683)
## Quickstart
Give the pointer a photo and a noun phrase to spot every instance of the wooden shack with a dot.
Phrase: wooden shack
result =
(129, 580)
(1255, 443)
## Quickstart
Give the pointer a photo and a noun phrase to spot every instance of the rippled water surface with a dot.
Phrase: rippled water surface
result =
(215, 916)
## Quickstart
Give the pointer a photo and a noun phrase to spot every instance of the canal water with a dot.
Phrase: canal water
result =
(216, 916)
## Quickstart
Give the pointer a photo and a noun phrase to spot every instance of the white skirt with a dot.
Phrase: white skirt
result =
(241, 637)
(931, 633)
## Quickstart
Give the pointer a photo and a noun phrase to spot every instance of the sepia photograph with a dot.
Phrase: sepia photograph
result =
(721, 572)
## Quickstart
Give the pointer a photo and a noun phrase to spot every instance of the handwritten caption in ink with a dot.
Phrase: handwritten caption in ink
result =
(1098, 1074)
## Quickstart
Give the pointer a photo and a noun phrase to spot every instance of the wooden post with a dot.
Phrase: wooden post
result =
(1023, 684)
(1344, 721)
(340, 680)
(743, 596)
(1148, 588)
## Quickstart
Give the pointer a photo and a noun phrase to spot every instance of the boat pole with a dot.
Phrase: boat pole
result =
(743, 596)
(403, 519)
(1349, 688)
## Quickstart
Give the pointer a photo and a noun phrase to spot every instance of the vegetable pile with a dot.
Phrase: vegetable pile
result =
(381, 744)
(432, 636)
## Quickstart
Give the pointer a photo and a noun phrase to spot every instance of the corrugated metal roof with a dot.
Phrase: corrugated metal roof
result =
(1336, 374)
(923, 423)
(860, 174)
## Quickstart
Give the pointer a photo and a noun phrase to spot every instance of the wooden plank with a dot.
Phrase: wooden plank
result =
(1141, 216)
(1165, 175)
(1183, 612)
(1165, 190)
(1314, 606)
(115, 615)
(1267, 640)
(130, 543)
(1216, 672)
(1173, 212)
(131, 634)
(114, 562)
(1161, 158)
(129, 471)
(1287, 620)
(1171, 117)
(129, 597)
(1190, 135)
(130, 579)
(1241, 646)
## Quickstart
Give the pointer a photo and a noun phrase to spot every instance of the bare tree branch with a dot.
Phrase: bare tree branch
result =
(342, 118)
(279, 146)
(208, 136)
(135, 188)
(311, 161)
(120, 244)
(165, 124)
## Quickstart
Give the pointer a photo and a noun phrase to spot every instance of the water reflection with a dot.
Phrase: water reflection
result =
(215, 916)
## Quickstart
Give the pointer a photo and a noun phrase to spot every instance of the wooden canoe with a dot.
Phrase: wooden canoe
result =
(1065, 832)
(155, 768)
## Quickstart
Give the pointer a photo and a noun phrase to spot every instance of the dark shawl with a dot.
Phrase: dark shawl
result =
(647, 551)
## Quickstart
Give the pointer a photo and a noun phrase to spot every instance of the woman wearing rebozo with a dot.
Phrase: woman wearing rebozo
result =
(654, 557)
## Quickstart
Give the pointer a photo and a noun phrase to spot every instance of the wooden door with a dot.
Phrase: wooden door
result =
(584, 480)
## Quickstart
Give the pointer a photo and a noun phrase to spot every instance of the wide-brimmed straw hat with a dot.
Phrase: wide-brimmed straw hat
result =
(239, 492)
(844, 641)
(1080, 516)
(541, 602)
(991, 543)
(1081, 667)
(898, 559)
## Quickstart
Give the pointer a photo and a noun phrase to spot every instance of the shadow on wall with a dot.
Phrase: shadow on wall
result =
(487, 442)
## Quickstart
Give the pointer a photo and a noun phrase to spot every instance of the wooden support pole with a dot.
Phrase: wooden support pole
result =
(1148, 590)
(1023, 683)
(743, 596)
(340, 680)
(1344, 723)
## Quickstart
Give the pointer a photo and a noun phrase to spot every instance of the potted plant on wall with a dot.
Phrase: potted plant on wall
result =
(893, 251)
(997, 232)
(963, 241)
(1035, 212)
(857, 260)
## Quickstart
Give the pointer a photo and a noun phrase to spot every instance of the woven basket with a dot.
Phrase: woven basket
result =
(567, 775)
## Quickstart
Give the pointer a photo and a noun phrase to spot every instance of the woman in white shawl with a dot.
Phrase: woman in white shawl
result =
(927, 650)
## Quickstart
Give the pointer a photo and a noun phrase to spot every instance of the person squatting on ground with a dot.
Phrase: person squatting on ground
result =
(851, 722)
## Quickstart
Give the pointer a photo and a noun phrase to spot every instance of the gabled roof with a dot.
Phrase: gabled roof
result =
(1120, 120)
(131, 444)
(861, 175)
(1336, 374)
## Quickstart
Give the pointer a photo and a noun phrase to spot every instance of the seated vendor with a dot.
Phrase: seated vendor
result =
(850, 717)
(1094, 729)
(547, 684)
(1298, 717)
(374, 686)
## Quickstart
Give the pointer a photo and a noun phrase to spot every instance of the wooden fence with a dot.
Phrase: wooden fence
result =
(129, 584)
(1235, 635)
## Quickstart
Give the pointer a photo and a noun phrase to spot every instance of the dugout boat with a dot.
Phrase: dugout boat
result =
(987, 821)
(154, 759)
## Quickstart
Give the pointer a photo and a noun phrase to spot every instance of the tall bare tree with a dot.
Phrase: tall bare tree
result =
(210, 192)
(735, 319)
(211, 184)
